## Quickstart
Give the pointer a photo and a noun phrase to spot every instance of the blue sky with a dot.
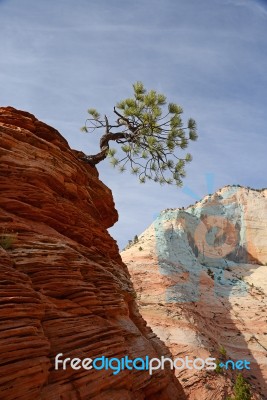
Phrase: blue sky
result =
(59, 58)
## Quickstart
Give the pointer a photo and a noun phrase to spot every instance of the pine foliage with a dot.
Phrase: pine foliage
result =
(151, 136)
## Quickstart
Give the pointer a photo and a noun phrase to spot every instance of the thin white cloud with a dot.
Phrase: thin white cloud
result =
(252, 5)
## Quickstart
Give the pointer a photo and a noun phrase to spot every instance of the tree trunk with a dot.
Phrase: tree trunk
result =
(104, 148)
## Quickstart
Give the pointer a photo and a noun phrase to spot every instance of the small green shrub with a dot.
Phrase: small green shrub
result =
(135, 240)
(218, 369)
(7, 240)
(131, 242)
(140, 248)
(222, 351)
(241, 389)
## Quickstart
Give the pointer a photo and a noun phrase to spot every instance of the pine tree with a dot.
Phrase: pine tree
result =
(241, 389)
(150, 133)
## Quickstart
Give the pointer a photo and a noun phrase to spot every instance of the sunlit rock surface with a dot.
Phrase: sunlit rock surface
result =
(200, 275)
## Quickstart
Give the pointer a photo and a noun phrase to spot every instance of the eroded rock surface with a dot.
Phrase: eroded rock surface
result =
(64, 288)
(200, 275)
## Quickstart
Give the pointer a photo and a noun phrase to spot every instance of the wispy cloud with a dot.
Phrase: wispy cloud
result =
(256, 6)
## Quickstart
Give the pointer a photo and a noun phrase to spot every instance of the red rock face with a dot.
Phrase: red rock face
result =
(64, 288)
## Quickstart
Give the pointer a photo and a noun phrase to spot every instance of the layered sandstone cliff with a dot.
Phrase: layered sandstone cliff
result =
(64, 288)
(201, 278)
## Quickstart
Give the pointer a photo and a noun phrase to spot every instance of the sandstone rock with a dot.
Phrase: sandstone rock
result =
(201, 283)
(64, 287)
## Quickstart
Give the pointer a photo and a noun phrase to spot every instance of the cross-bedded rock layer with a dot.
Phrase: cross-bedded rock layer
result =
(64, 288)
